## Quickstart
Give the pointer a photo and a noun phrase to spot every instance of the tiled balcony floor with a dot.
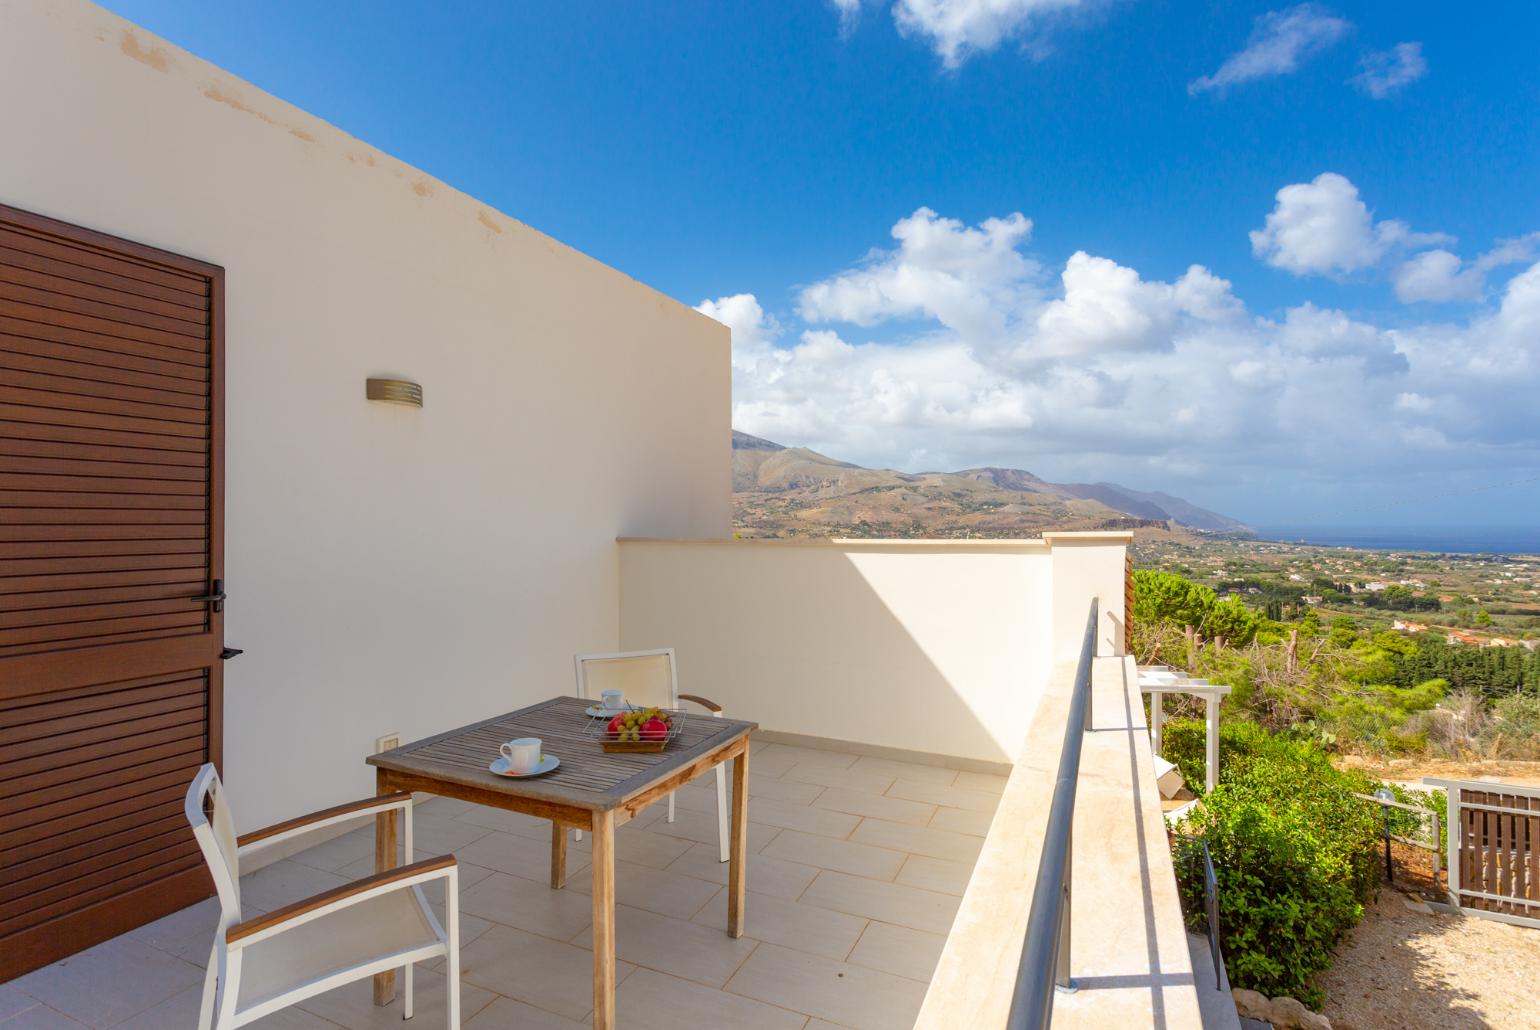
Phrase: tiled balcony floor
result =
(857, 868)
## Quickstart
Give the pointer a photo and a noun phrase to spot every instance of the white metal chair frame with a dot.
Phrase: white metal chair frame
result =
(580, 665)
(223, 851)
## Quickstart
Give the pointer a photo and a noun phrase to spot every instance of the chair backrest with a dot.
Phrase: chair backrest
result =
(647, 677)
(215, 830)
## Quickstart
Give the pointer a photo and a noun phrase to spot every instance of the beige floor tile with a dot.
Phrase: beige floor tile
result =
(520, 856)
(333, 854)
(919, 840)
(352, 1005)
(817, 931)
(650, 1000)
(935, 874)
(112, 982)
(766, 875)
(826, 776)
(960, 820)
(507, 1014)
(912, 771)
(952, 797)
(643, 847)
(188, 934)
(850, 995)
(888, 902)
(792, 791)
(506, 821)
(529, 905)
(287, 881)
(775, 759)
(822, 1024)
(544, 973)
(13, 1000)
(656, 890)
(841, 855)
(807, 818)
(445, 837)
(980, 781)
(859, 802)
(38, 1016)
(702, 828)
(900, 950)
(703, 954)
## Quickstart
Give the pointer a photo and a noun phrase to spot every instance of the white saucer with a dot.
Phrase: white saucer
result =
(547, 763)
(600, 712)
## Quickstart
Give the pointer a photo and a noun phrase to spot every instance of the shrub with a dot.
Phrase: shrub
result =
(1294, 853)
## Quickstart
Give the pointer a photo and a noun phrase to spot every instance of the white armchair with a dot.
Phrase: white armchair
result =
(269, 962)
(649, 679)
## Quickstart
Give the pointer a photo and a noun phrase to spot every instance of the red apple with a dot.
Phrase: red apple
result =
(654, 729)
(616, 725)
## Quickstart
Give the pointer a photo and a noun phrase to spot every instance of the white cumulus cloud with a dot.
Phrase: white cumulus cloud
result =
(1323, 227)
(1441, 276)
(956, 29)
(1108, 373)
(1279, 43)
(1388, 71)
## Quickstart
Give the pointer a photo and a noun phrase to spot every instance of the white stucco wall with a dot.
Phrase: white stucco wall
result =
(941, 647)
(389, 569)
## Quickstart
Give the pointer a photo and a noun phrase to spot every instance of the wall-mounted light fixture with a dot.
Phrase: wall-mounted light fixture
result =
(401, 391)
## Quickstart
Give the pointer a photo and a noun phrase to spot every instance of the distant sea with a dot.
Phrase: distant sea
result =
(1446, 539)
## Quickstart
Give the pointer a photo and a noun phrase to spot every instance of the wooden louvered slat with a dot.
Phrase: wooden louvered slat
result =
(177, 375)
(93, 440)
(106, 879)
(69, 834)
(111, 373)
(175, 586)
(68, 272)
(69, 387)
(68, 864)
(193, 360)
(192, 544)
(82, 482)
(65, 302)
(76, 402)
(132, 304)
(69, 370)
(83, 419)
(29, 638)
(27, 242)
(55, 737)
(41, 314)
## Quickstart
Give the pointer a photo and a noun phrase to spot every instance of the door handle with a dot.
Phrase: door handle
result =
(215, 598)
(229, 653)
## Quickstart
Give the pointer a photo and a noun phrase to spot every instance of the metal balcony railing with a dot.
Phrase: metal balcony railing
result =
(1045, 952)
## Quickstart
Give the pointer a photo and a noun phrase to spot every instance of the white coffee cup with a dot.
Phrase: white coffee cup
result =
(522, 754)
(612, 700)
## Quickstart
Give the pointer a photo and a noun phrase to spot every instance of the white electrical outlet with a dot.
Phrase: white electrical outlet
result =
(389, 742)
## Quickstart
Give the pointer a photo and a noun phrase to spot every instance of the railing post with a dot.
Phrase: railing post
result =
(1211, 744)
(1157, 719)
(1061, 978)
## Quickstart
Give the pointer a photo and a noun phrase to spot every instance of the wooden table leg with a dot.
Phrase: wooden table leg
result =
(384, 859)
(738, 845)
(558, 856)
(602, 856)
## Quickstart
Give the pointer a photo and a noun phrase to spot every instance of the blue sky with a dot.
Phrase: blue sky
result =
(768, 151)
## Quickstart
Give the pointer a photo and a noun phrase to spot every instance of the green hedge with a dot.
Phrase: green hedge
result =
(1294, 852)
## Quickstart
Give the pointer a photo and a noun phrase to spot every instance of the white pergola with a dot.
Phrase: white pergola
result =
(1160, 680)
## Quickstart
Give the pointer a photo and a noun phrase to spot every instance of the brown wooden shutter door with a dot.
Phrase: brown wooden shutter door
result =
(111, 523)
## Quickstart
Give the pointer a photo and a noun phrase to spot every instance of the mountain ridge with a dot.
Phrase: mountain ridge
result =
(780, 491)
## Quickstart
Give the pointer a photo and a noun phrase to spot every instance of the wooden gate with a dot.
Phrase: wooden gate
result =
(111, 569)
(1494, 849)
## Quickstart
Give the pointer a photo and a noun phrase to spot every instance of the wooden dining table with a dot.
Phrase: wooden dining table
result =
(591, 790)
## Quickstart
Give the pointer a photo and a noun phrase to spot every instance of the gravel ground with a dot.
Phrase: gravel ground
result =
(1409, 971)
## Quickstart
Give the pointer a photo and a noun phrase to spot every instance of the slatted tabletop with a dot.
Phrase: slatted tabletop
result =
(588, 777)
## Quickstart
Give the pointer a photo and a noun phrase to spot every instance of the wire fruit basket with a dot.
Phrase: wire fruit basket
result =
(646, 741)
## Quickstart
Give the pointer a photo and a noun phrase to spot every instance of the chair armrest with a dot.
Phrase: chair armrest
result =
(710, 706)
(303, 824)
(248, 931)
